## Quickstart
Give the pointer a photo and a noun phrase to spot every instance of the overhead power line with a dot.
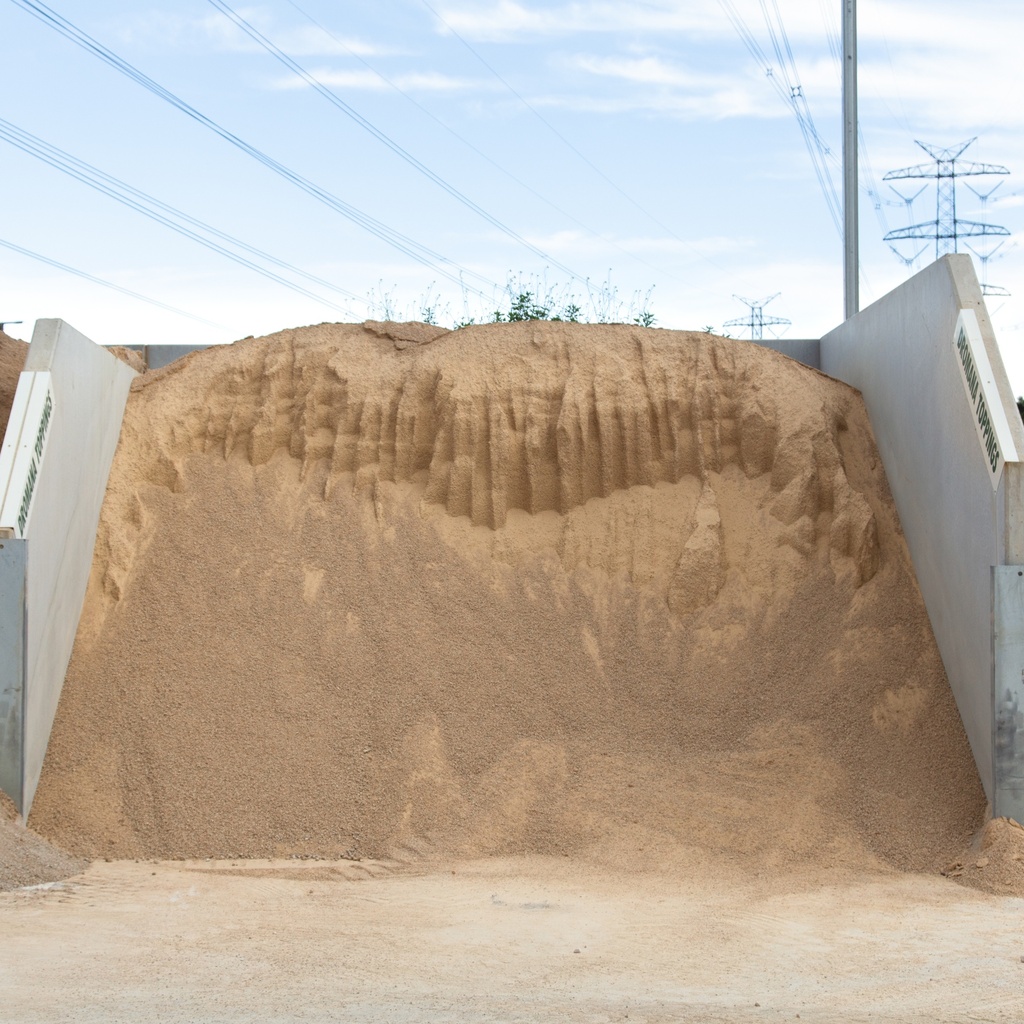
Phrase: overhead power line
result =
(336, 101)
(793, 94)
(787, 84)
(469, 144)
(163, 213)
(992, 253)
(566, 142)
(832, 34)
(441, 265)
(106, 284)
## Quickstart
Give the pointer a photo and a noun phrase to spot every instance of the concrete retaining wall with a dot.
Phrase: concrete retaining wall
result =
(959, 519)
(803, 350)
(12, 664)
(54, 552)
(157, 356)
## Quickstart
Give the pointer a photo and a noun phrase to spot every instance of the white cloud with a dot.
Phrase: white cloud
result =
(311, 41)
(414, 81)
(658, 86)
(929, 95)
(217, 31)
(736, 102)
(501, 21)
(1011, 201)
(939, 24)
(646, 70)
(512, 20)
(570, 242)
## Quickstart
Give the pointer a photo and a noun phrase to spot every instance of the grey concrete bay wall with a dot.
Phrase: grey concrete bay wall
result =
(899, 352)
(803, 350)
(12, 664)
(90, 388)
(157, 356)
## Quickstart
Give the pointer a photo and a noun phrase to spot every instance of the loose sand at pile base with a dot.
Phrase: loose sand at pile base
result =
(638, 597)
(497, 941)
(28, 859)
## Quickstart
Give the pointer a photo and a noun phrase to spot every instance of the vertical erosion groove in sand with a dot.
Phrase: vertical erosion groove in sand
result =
(638, 596)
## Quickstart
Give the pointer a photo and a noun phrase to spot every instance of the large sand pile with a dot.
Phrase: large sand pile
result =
(636, 596)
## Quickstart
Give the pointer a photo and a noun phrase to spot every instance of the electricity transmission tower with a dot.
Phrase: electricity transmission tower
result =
(755, 320)
(947, 229)
(986, 288)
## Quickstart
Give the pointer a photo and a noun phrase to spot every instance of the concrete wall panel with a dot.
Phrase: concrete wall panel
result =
(899, 352)
(1008, 731)
(90, 388)
(12, 663)
(157, 356)
(803, 350)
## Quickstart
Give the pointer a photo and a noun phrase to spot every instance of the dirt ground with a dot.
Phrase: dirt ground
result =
(538, 939)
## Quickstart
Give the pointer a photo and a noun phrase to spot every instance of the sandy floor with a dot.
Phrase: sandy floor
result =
(536, 940)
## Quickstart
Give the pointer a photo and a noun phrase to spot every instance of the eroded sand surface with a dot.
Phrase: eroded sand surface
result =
(497, 941)
(526, 588)
(633, 596)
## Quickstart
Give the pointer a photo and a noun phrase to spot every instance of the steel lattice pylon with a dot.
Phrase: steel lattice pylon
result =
(756, 321)
(947, 228)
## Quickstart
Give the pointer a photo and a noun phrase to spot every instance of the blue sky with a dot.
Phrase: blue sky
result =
(633, 144)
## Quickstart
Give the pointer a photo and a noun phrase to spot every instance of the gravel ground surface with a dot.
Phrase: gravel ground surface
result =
(534, 939)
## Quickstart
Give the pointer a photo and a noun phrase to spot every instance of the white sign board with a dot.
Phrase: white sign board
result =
(24, 446)
(979, 383)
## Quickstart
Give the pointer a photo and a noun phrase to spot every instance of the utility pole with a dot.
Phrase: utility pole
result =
(851, 239)
(755, 321)
(947, 228)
